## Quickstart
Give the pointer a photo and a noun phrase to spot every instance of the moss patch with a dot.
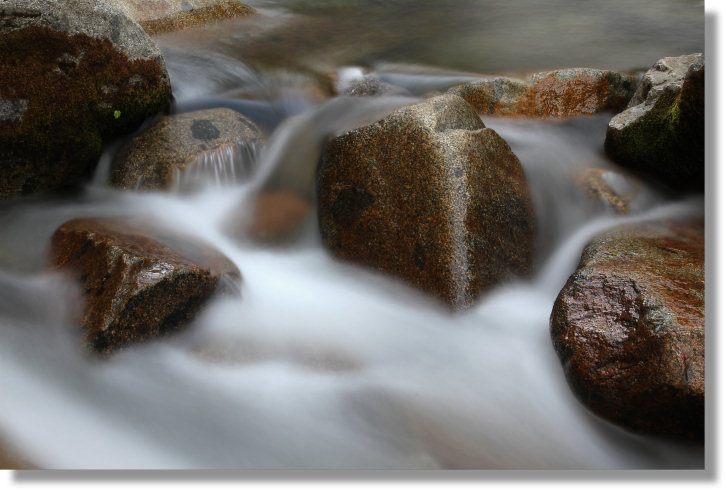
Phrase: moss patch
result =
(75, 86)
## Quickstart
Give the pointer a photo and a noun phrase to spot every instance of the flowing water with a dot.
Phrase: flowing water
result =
(322, 364)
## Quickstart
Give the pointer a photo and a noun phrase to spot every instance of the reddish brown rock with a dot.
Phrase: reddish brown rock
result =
(430, 195)
(273, 217)
(140, 281)
(154, 158)
(629, 328)
(559, 93)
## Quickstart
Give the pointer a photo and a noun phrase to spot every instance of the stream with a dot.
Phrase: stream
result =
(322, 364)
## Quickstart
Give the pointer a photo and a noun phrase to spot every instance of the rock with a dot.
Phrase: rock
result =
(278, 214)
(614, 189)
(172, 15)
(661, 134)
(272, 217)
(371, 86)
(152, 159)
(559, 93)
(629, 328)
(430, 195)
(140, 280)
(73, 75)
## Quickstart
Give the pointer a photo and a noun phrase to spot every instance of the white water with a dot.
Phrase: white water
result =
(319, 364)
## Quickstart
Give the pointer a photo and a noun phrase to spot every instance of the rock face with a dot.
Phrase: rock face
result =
(629, 328)
(140, 280)
(73, 74)
(150, 160)
(428, 194)
(560, 93)
(162, 16)
(662, 132)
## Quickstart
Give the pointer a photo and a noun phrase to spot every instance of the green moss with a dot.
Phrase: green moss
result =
(74, 84)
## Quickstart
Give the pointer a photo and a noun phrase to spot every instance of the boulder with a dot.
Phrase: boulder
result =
(180, 142)
(609, 187)
(559, 93)
(430, 195)
(661, 134)
(141, 281)
(162, 16)
(629, 328)
(73, 75)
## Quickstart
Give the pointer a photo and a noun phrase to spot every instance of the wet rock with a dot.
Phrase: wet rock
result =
(140, 280)
(370, 86)
(430, 195)
(661, 134)
(273, 217)
(154, 158)
(629, 328)
(73, 75)
(162, 16)
(614, 189)
(559, 93)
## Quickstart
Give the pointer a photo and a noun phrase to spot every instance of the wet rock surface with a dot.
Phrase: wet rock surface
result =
(73, 75)
(140, 280)
(629, 328)
(559, 93)
(430, 195)
(162, 16)
(150, 160)
(661, 134)
(613, 189)
(371, 86)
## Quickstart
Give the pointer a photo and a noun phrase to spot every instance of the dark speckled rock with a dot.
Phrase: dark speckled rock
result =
(150, 160)
(629, 328)
(74, 75)
(140, 280)
(661, 134)
(430, 195)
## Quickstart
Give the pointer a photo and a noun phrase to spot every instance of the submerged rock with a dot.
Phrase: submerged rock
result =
(273, 217)
(152, 159)
(73, 75)
(629, 328)
(140, 281)
(661, 134)
(428, 194)
(162, 16)
(559, 93)
(614, 189)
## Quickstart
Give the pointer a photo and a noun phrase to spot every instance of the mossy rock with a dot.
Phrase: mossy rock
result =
(661, 134)
(63, 94)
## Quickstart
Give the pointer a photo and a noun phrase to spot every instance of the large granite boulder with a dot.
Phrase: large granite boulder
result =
(186, 142)
(162, 16)
(629, 328)
(73, 74)
(661, 134)
(559, 93)
(430, 195)
(140, 280)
